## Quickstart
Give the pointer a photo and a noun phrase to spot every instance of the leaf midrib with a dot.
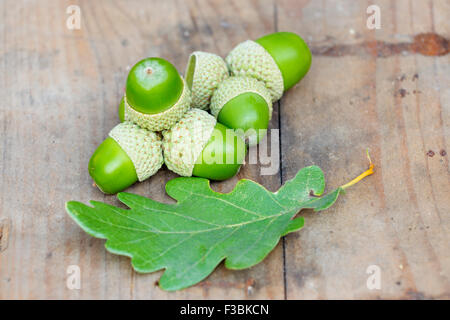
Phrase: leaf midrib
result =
(180, 232)
(285, 211)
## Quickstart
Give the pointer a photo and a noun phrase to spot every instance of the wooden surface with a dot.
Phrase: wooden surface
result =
(387, 90)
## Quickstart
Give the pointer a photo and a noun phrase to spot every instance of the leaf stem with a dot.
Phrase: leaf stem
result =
(366, 173)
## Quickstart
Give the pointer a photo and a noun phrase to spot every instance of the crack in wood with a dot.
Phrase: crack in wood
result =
(426, 44)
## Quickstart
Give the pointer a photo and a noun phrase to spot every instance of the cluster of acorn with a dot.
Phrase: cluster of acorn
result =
(164, 118)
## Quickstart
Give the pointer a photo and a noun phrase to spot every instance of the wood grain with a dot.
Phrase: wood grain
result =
(386, 90)
(394, 104)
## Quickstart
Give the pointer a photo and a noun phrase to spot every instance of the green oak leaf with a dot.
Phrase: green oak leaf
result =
(190, 238)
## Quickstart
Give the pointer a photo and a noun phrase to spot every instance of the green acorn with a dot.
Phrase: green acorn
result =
(199, 146)
(128, 155)
(243, 103)
(204, 72)
(122, 109)
(280, 60)
(156, 96)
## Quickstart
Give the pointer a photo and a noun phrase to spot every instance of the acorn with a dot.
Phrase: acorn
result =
(204, 72)
(156, 96)
(200, 146)
(243, 104)
(122, 110)
(128, 155)
(280, 60)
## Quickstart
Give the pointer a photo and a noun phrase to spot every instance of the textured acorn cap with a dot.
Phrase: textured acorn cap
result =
(163, 120)
(143, 147)
(233, 87)
(183, 143)
(209, 71)
(250, 59)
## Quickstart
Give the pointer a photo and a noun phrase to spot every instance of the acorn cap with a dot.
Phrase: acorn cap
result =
(143, 147)
(163, 120)
(208, 71)
(233, 87)
(250, 59)
(183, 143)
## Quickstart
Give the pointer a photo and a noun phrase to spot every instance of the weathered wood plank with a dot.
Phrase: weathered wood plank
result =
(371, 89)
(60, 90)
